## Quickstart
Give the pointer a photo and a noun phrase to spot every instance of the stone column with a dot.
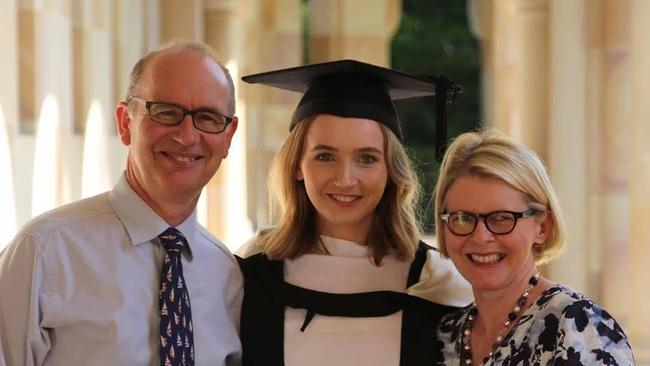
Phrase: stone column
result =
(502, 58)
(226, 194)
(8, 117)
(567, 135)
(135, 32)
(130, 42)
(360, 29)
(93, 94)
(181, 19)
(608, 116)
(272, 38)
(45, 58)
(9, 67)
(481, 23)
(45, 75)
(638, 158)
(152, 25)
(534, 42)
(516, 56)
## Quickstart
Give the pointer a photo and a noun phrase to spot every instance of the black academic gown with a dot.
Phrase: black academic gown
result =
(266, 294)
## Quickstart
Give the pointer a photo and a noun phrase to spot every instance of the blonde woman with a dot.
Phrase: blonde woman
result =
(497, 219)
(343, 279)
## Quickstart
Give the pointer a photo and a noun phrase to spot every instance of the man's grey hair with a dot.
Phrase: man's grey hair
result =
(179, 47)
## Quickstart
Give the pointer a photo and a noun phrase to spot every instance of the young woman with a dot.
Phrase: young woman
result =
(343, 279)
(497, 219)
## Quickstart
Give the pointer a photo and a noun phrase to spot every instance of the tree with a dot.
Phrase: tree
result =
(434, 39)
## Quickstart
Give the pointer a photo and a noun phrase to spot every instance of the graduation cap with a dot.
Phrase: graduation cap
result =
(350, 88)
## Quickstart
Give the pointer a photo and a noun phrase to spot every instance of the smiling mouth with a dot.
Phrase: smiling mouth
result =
(344, 198)
(486, 259)
(184, 159)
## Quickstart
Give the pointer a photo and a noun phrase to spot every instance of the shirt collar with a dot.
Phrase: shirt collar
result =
(344, 248)
(140, 221)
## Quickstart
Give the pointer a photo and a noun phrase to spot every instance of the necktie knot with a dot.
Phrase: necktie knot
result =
(172, 240)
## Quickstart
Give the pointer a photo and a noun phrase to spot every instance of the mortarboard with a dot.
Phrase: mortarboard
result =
(349, 88)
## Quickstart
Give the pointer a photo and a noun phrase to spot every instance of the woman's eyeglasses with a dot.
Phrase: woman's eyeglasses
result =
(497, 222)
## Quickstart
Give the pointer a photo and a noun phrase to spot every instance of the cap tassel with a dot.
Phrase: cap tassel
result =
(446, 92)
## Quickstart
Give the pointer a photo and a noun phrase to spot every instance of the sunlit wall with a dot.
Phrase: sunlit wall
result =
(8, 205)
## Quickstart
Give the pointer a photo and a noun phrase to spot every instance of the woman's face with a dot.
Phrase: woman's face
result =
(492, 262)
(344, 171)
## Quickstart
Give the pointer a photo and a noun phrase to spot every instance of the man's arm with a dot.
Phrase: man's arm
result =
(22, 341)
(236, 295)
(2, 354)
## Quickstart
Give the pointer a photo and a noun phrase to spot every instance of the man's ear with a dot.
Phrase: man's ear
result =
(229, 133)
(123, 122)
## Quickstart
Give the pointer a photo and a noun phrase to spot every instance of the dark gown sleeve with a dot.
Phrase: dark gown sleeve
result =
(420, 320)
(262, 316)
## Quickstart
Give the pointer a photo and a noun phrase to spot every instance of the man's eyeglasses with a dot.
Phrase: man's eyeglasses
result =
(497, 222)
(171, 115)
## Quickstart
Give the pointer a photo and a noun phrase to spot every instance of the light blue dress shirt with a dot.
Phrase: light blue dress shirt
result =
(79, 286)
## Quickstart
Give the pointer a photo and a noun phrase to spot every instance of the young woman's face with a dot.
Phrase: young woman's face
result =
(493, 262)
(344, 171)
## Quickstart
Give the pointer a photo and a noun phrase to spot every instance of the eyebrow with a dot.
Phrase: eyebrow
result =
(363, 149)
(199, 109)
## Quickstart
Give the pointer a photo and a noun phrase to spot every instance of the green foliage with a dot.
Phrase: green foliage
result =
(306, 28)
(434, 39)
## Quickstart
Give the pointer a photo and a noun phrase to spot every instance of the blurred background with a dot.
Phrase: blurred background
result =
(569, 78)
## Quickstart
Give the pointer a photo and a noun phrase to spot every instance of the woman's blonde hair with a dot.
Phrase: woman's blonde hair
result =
(395, 230)
(489, 153)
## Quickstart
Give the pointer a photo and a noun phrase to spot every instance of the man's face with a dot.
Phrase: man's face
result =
(175, 162)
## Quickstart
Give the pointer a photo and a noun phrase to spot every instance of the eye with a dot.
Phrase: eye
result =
(461, 223)
(208, 118)
(462, 218)
(168, 112)
(165, 112)
(501, 219)
(367, 159)
(501, 216)
(324, 157)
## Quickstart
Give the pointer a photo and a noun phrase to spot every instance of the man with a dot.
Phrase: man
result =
(129, 277)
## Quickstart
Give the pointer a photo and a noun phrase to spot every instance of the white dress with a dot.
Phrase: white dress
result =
(333, 340)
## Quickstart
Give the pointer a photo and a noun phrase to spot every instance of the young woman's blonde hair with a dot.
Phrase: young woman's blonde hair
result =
(395, 230)
(489, 153)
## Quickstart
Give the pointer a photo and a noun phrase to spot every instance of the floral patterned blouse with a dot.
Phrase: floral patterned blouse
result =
(562, 327)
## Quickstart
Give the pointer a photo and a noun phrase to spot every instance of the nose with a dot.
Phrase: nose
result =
(481, 233)
(345, 175)
(185, 133)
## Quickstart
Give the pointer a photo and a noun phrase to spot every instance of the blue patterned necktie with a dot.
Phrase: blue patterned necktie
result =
(176, 333)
